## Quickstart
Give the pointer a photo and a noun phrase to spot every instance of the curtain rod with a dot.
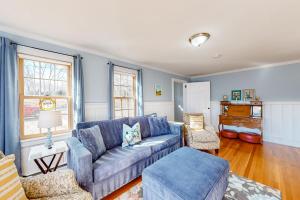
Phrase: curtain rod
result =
(23, 45)
(123, 66)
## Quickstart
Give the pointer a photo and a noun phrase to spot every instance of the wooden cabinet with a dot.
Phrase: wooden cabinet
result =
(242, 115)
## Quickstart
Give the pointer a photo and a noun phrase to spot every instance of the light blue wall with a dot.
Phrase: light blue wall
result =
(281, 83)
(96, 73)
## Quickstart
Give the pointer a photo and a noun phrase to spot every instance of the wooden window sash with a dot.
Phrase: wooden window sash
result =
(22, 97)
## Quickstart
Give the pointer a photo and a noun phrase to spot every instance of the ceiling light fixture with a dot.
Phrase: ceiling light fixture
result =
(198, 39)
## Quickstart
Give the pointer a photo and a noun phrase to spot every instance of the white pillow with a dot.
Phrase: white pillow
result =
(131, 135)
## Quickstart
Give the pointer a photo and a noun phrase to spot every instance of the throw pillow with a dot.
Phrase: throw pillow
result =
(159, 126)
(196, 122)
(144, 125)
(131, 135)
(91, 139)
(10, 184)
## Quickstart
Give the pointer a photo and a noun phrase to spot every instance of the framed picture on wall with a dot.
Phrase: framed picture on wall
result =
(249, 94)
(158, 90)
(236, 95)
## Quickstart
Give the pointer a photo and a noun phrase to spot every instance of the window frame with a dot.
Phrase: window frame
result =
(133, 73)
(22, 96)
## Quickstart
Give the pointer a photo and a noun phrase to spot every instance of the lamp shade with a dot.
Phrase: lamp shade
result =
(49, 119)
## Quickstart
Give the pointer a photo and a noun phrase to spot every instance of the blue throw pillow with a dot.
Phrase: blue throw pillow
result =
(91, 139)
(144, 124)
(131, 135)
(159, 126)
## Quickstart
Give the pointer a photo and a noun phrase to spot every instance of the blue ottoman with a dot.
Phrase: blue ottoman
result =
(186, 174)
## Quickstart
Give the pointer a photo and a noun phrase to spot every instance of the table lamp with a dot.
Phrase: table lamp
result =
(49, 119)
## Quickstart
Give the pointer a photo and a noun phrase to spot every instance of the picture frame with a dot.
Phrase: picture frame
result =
(249, 94)
(256, 111)
(47, 103)
(236, 95)
(158, 90)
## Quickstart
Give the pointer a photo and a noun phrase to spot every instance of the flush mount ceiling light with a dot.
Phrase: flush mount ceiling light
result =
(199, 38)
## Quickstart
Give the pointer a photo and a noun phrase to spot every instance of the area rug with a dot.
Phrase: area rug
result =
(239, 188)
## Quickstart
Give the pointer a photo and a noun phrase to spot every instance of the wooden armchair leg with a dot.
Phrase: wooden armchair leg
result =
(216, 151)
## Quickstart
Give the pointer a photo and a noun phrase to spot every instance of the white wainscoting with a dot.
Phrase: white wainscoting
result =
(281, 122)
(99, 111)
(28, 166)
(96, 111)
(162, 108)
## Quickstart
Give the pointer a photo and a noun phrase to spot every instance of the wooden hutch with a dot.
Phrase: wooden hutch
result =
(247, 115)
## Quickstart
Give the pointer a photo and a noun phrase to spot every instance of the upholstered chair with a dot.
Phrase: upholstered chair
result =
(200, 135)
(58, 185)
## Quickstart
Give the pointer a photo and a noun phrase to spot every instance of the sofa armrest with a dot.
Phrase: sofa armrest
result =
(80, 160)
(177, 129)
(57, 183)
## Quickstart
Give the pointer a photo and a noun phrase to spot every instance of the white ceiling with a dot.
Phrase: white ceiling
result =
(155, 33)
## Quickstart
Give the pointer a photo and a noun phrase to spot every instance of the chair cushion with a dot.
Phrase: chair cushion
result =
(159, 143)
(203, 136)
(118, 159)
(145, 128)
(91, 139)
(159, 126)
(196, 122)
(10, 184)
(131, 135)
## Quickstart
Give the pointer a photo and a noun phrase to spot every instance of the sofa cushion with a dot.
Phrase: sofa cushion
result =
(145, 128)
(111, 130)
(159, 143)
(131, 135)
(159, 126)
(118, 159)
(91, 139)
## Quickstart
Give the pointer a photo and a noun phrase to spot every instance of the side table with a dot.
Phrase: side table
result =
(38, 153)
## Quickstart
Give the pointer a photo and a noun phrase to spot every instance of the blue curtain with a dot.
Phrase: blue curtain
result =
(140, 93)
(78, 91)
(9, 101)
(111, 91)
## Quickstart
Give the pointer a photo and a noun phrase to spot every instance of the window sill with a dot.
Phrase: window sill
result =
(41, 140)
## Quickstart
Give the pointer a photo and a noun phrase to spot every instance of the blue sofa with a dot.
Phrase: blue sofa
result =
(118, 166)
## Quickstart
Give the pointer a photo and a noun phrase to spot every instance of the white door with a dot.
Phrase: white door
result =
(196, 99)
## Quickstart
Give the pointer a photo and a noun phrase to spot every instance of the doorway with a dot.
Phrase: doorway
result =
(178, 99)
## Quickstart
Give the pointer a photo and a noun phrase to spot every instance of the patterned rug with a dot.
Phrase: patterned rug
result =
(239, 188)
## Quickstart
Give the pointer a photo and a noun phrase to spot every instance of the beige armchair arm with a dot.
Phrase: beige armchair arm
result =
(52, 184)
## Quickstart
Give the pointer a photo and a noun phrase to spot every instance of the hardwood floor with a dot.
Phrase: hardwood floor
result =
(271, 164)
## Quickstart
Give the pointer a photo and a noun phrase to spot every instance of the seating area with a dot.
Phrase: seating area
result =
(149, 100)
(118, 165)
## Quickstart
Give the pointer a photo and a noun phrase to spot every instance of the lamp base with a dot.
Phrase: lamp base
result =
(49, 141)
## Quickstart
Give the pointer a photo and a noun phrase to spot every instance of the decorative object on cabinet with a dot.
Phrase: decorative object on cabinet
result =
(225, 98)
(236, 95)
(245, 117)
(249, 94)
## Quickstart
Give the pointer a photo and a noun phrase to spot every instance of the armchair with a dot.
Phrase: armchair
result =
(203, 138)
(56, 185)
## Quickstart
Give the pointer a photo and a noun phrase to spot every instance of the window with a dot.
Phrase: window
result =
(124, 92)
(43, 78)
